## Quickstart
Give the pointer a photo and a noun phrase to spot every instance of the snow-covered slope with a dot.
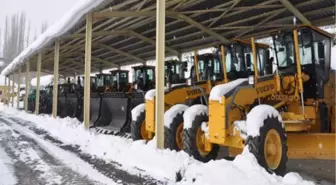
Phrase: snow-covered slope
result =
(161, 164)
(54, 31)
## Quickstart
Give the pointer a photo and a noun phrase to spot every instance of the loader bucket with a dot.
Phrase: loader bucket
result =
(61, 107)
(95, 102)
(137, 98)
(46, 104)
(79, 111)
(31, 104)
(71, 105)
(114, 111)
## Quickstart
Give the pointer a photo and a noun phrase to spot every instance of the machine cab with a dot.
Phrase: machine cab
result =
(174, 71)
(119, 79)
(239, 59)
(104, 82)
(315, 55)
(143, 77)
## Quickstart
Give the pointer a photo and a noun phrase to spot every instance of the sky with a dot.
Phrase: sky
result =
(38, 11)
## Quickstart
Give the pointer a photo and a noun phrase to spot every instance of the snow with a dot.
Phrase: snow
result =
(6, 167)
(150, 94)
(139, 158)
(31, 157)
(255, 118)
(70, 159)
(240, 125)
(57, 29)
(243, 170)
(191, 113)
(136, 111)
(44, 80)
(171, 113)
(219, 90)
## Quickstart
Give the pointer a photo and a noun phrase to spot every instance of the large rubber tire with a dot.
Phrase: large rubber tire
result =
(136, 126)
(170, 133)
(189, 141)
(256, 145)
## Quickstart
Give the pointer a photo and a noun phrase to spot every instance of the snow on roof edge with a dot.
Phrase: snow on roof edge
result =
(55, 30)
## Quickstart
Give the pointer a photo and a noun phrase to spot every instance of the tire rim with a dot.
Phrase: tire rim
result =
(273, 149)
(200, 142)
(178, 137)
(143, 131)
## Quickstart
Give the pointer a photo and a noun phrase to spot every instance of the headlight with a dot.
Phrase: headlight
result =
(251, 80)
(189, 81)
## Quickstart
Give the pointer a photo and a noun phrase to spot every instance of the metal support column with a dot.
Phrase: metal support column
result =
(37, 98)
(27, 86)
(18, 91)
(6, 89)
(88, 40)
(12, 91)
(55, 87)
(160, 72)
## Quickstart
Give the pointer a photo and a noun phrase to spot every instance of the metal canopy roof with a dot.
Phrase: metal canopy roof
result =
(124, 30)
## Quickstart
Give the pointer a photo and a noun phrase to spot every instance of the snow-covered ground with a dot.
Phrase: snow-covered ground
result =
(141, 158)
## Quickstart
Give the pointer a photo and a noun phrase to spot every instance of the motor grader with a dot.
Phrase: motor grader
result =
(289, 113)
(206, 72)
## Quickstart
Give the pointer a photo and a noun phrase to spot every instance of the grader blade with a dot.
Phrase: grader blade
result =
(311, 145)
(114, 111)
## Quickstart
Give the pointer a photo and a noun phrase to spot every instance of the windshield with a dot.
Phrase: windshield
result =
(237, 58)
(284, 48)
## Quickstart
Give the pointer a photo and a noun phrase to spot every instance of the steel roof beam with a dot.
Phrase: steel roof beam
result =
(122, 52)
(295, 11)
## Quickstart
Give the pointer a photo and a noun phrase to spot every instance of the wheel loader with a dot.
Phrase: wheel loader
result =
(275, 114)
(114, 110)
(208, 72)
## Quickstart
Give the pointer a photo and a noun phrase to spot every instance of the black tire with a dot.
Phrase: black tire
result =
(136, 126)
(256, 145)
(170, 133)
(189, 141)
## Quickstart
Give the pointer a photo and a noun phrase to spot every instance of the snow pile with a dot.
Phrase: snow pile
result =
(255, 118)
(150, 94)
(243, 170)
(171, 113)
(136, 111)
(191, 113)
(219, 90)
(54, 31)
(44, 80)
(161, 164)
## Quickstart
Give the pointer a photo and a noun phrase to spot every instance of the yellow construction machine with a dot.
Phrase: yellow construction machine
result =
(208, 71)
(289, 113)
